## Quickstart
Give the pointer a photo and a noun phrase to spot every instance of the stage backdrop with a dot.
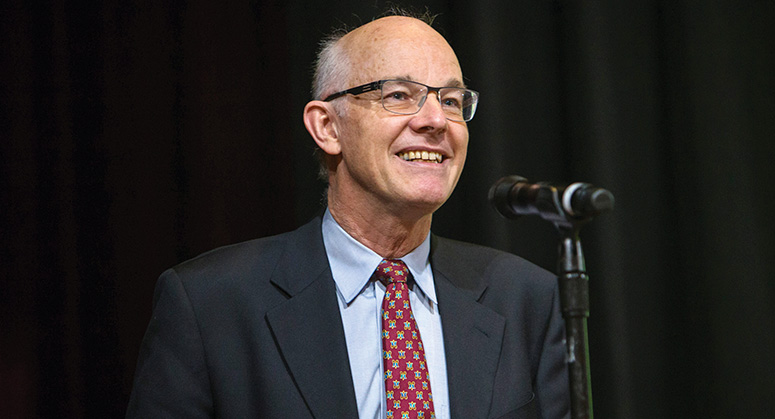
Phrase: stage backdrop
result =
(135, 135)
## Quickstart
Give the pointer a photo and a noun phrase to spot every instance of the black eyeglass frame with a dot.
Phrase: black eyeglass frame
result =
(377, 85)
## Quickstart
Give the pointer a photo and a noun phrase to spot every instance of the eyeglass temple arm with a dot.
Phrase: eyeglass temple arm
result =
(355, 90)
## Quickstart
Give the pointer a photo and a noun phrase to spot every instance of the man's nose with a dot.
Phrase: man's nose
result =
(431, 112)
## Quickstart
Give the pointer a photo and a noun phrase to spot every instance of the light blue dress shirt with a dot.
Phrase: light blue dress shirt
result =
(360, 304)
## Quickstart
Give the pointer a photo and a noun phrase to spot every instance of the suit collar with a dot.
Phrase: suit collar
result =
(308, 326)
(352, 263)
(473, 333)
(449, 258)
(303, 261)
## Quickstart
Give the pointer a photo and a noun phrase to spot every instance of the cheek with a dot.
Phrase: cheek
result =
(351, 138)
(372, 138)
(460, 138)
(361, 150)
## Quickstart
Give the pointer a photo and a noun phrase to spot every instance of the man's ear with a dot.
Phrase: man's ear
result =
(322, 123)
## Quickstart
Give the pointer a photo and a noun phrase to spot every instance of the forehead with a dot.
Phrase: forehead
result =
(400, 47)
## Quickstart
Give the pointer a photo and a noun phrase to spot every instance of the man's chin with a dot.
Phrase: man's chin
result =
(426, 203)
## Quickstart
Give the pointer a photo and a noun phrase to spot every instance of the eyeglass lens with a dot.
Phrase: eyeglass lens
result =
(406, 97)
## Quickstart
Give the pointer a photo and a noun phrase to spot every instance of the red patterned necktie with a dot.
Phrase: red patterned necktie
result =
(407, 381)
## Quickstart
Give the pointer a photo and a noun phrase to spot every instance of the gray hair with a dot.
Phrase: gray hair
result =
(331, 67)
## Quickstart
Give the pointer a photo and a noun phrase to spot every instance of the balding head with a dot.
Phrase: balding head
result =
(346, 58)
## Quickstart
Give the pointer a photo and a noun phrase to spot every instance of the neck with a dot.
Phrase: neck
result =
(383, 231)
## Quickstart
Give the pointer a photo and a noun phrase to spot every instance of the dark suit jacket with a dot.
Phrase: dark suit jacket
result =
(253, 330)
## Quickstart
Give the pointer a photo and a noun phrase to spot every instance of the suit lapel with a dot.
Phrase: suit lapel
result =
(473, 335)
(308, 327)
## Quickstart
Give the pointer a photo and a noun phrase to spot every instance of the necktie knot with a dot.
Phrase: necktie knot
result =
(392, 270)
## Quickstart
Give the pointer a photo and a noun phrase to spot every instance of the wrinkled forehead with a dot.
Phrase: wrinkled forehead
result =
(400, 47)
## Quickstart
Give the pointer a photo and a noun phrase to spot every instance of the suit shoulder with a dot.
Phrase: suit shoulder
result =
(473, 261)
(233, 257)
(255, 258)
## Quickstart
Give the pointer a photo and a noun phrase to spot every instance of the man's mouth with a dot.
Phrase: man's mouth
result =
(423, 156)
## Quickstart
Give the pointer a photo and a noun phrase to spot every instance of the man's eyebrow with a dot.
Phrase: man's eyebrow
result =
(454, 83)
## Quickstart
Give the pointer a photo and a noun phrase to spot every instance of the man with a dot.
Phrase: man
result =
(301, 324)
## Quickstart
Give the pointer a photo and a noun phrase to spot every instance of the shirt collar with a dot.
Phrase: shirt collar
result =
(352, 263)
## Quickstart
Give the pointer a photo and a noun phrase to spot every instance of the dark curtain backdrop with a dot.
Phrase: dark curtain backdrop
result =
(135, 135)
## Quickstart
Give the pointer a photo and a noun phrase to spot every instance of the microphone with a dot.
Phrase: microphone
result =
(513, 196)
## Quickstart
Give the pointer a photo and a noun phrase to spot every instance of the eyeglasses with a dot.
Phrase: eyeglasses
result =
(407, 97)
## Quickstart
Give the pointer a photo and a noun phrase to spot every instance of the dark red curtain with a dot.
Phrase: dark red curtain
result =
(134, 136)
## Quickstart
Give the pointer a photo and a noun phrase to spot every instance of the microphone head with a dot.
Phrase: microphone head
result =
(602, 201)
(500, 195)
(582, 200)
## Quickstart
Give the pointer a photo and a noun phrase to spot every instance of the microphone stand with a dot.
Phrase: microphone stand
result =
(574, 301)
(574, 297)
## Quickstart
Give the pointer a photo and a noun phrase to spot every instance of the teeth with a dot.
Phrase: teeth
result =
(426, 156)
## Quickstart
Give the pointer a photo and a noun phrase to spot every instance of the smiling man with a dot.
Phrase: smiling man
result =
(363, 312)
(394, 148)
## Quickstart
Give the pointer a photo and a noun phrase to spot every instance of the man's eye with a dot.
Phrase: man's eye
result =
(452, 103)
(399, 96)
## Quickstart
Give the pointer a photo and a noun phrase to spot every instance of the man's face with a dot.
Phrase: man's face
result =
(387, 159)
